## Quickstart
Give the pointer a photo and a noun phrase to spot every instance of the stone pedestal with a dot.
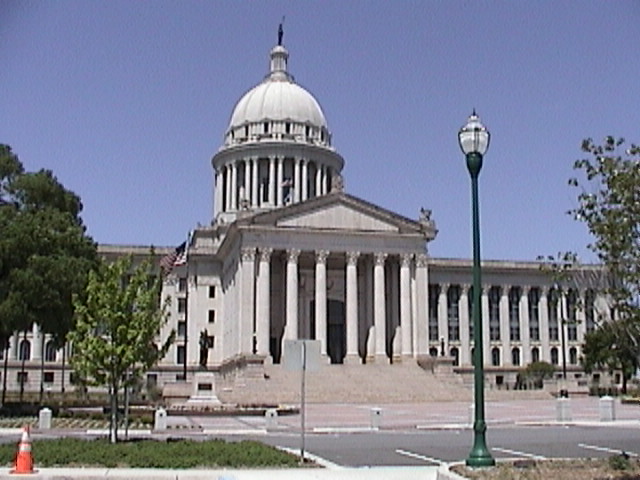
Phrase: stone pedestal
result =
(607, 409)
(204, 390)
(563, 410)
(44, 419)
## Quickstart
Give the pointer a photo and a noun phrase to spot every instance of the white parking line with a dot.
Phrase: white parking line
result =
(605, 449)
(519, 454)
(420, 457)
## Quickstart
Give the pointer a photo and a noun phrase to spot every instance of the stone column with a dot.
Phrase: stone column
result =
(321, 299)
(272, 180)
(247, 182)
(254, 182)
(234, 186)
(505, 326)
(247, 292)
(405, 305)
(37, 342)
(318, 180)
(291, 328)
(305, 179)
(465, 341)
(422, 318)
(296, 180)
(524, 326)
(218, 195)
(443, 320)
(280, 181)
(227, 184)
(486, 343)
(352, 306)
(379, 310)
(543, 315)
(263, 312)
(581, 317)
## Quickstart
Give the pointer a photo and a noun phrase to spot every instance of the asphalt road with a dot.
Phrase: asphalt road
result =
(436, 446)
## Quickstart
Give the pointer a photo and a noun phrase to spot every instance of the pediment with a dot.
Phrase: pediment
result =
(337, 217)
(337, 211)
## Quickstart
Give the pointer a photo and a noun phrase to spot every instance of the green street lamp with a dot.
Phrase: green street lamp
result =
(474, 142)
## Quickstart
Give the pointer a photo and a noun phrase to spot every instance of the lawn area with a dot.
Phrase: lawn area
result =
(174, 453)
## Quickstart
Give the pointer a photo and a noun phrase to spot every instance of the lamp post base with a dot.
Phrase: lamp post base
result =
(480, 456)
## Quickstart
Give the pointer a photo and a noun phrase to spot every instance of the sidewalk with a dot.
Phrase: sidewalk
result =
(389, 473)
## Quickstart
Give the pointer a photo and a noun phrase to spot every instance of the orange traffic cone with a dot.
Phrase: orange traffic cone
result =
(24, 460)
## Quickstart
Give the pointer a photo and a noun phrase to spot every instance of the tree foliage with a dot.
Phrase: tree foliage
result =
(118, 322)
(609, 204)
(45, 253)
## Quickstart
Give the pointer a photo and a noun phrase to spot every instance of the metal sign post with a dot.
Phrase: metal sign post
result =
(302, 355)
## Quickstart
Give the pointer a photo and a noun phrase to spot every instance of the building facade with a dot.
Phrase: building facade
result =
(290, 255)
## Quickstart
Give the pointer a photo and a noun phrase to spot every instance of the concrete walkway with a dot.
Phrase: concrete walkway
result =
(390, 473)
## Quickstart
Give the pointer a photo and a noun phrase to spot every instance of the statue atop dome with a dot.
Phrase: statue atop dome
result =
(280, 32)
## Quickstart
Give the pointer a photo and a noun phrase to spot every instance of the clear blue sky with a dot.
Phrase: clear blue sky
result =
(127, 102)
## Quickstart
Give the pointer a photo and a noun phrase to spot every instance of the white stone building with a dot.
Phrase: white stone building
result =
(289, 254)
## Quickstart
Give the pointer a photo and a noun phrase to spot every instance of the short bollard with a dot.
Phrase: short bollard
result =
(607, 409)
(44, 419)
(563, 410)
(271, 419)
(376, 416)
(160, 420)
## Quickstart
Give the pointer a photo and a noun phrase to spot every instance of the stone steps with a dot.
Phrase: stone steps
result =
(372, 383)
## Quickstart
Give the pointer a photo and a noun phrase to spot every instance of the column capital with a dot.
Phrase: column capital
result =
(421, 259)
(405, 259)
(265, 253)
(321, 256)
(379, 258)
(292, 255)
(524, 290)
(352, 258)
(444, 288)
(248, 254)
(464, 288)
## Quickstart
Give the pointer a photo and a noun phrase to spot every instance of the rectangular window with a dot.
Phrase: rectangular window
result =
(152, 380)
(589, 311)
(514, 314)
(534, 314)
(182, 305)
(210, 341)
(182, 284)
(23, 378)
(48, 377)
(434, 291)
(212, 291)
(212, 316)
(494, 313)
(552, 308)
(453, 317)
(180, 357)
(182, 328)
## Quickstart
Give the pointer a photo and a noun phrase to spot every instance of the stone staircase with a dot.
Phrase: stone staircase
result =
(372, 383)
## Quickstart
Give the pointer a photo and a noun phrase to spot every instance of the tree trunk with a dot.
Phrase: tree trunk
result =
(4, 374)
(114, 413)
(624, 383)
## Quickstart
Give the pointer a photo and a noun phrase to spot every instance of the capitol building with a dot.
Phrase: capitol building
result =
(289, 254)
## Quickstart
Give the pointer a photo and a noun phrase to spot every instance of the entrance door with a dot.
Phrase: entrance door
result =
(336, 331)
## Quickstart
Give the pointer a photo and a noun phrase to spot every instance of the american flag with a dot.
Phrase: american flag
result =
(174, 259)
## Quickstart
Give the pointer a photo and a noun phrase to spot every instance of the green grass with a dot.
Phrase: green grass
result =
(71, 452)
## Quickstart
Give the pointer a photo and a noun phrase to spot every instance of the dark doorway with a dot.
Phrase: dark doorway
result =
(336, 331)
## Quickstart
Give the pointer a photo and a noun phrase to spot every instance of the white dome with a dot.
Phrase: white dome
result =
(277, 110)
(277, 100)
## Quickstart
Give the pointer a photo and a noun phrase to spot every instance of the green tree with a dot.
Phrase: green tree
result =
(45, 253)
(609, 204)
(118, 322)
(536, 372)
